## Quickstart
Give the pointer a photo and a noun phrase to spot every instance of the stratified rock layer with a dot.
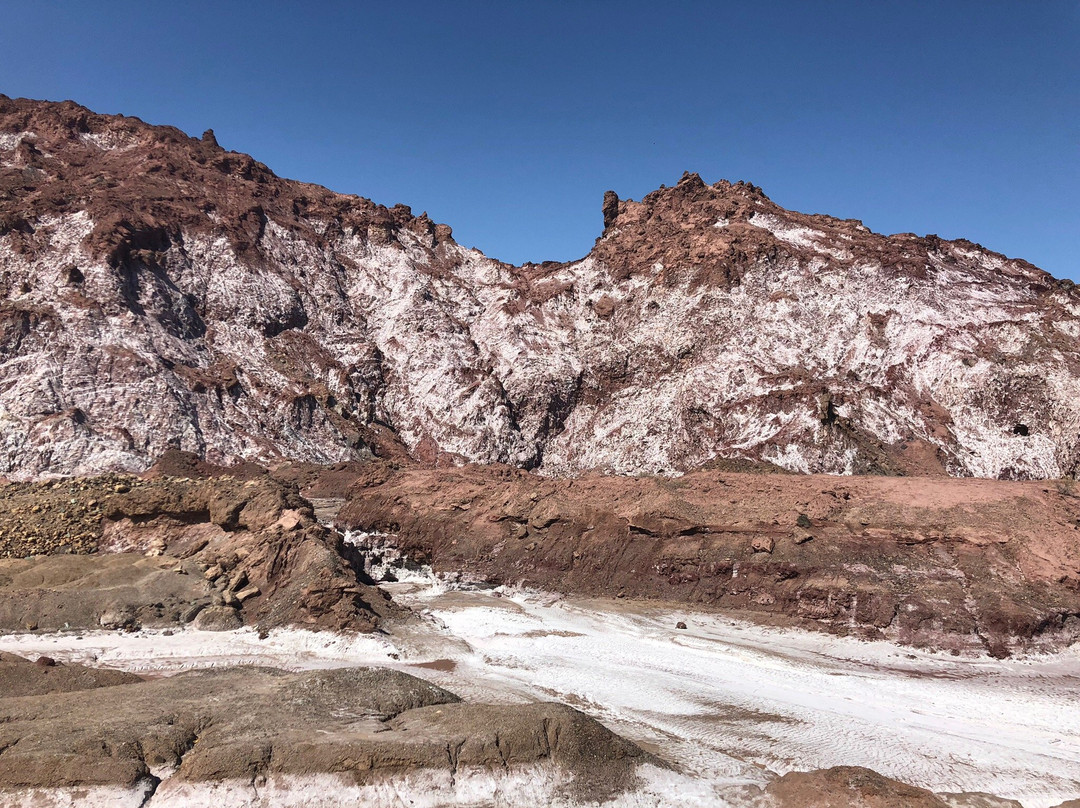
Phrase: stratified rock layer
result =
(955, 564)
(158, 291)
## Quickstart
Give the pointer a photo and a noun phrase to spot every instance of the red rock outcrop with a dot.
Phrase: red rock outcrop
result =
(158, 291)
(951, 564)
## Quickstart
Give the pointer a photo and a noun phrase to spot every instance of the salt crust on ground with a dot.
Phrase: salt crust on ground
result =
(522, 788)
(725, 701)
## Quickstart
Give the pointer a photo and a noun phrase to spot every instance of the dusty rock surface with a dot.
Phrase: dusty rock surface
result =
(250, 723)
(57, 516)
(122, 592)
(23, 677)
(220, 551)
(848, 787)
(953, 564)
(158, 291)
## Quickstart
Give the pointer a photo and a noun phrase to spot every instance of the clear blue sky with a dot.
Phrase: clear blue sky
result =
(508, 120)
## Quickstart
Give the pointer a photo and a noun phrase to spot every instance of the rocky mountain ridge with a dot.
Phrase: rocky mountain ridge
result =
(159, 292)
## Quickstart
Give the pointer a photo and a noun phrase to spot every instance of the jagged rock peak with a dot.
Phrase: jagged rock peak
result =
(139, 192)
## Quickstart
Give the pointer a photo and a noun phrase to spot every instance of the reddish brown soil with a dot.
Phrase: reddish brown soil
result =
(851, 787)
(313, 480)
(956, 564)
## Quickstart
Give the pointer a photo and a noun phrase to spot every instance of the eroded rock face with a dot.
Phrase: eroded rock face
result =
(119, 552)
(952, 564)
(157, 291)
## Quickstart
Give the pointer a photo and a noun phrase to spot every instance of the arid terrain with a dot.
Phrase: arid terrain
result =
(302, 503)
(158, 291)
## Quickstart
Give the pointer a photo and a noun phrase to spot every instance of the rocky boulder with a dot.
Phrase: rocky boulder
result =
(220, 551)
(195, 734)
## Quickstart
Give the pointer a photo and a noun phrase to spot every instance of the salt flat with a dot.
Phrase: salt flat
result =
(727, 702)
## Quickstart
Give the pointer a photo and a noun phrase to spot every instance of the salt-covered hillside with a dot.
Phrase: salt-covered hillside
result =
(157, 291)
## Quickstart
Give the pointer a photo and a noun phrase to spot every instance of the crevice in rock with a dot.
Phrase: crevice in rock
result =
(502, 754)
(152, 784)
(453, 754)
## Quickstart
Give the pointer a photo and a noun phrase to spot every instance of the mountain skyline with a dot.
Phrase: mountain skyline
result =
(510, 120)
(162, 293)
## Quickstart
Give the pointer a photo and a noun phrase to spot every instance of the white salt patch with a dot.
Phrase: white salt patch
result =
(726, 701)
(78, 797)
(382, 559)
(787, 700)
(521, 787)
(155, 652)
(108, 140)
(9, 140)
(805, 237)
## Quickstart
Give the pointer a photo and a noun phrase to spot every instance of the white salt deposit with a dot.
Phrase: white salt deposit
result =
(728, 702)
(524, 787)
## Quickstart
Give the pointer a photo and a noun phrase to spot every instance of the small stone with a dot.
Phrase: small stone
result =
(802, 536)
(803, 521)
(762, 544)
(121, 618)
(45, 662)
(681, 625)
(192, 611)
(248, 592)
(213, 573)
(238, 581)
(290, 520)
(167, 632)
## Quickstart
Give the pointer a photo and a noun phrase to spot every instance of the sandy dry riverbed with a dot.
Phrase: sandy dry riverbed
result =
(728, 702)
